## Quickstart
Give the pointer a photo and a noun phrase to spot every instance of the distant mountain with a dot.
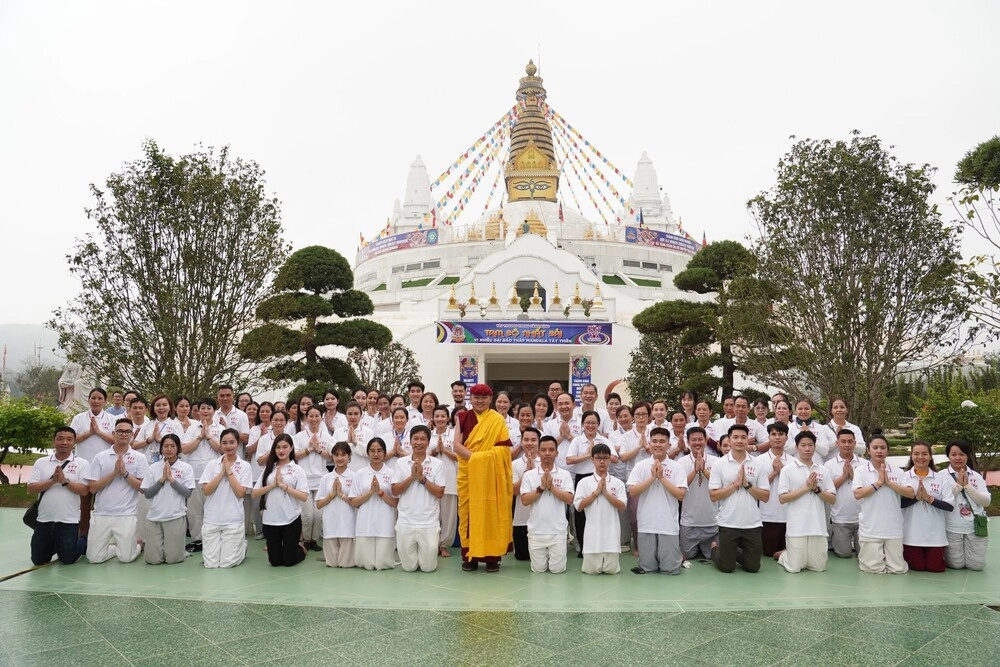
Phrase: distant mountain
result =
(21, 340)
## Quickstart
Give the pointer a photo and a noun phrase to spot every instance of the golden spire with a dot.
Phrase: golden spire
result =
(531, 171)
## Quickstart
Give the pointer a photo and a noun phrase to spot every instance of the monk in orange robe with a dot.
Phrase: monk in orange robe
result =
(483, 444)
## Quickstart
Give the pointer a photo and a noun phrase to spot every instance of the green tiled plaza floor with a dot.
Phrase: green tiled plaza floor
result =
(183, 614)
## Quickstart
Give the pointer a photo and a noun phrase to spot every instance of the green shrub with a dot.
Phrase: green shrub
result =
(942, 419)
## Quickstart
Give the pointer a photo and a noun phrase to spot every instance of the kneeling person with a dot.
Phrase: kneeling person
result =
(601, 496)
(419, 485)
(804, 485)
(167, 487)
(60, 478)
(660, 484)
(546, 491)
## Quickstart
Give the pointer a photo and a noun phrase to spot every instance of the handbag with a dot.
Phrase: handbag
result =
(980, 522)
(30, 517)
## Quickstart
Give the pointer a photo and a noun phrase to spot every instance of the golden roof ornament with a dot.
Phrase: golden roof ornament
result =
(576, 295)
(472, 295)
(555, 299)
(452, 301)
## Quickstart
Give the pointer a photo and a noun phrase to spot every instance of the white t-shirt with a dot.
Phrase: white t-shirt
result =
(881, 517)
(338, 515)
(698, 509)
(392, 438)
(224, 507)
(924, 524)
(59, 504)
(758, 434)
(580, 446)
(339, 423)
(773, 511)
(167, 504)
(606, 422)
(440, 443)
(359, 444)
(658, 510)
(518, 467)
(313, 463)
(710, 431)
(552, 428)
(960, 519)
(859, 438)
(846, 508)
(281, 508)
(235, 419)
(256, 433)
(89, 448)
(375, 517)
(623, 442)
(204, 452)
(739, 509)
(826, 441)
(117, 498)
(547, 515)
(603, 533)
(806, 515)
(417, 507)
(152, 449)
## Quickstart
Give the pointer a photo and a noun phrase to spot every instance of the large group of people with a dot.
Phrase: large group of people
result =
(377, 481)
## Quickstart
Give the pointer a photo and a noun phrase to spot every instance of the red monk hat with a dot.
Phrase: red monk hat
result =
(481, 390)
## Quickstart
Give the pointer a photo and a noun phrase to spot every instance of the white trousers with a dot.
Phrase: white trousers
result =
(449, 519)
(312, 520)
(112, 536)
(603, 563)
(375, 553)
(223, 545)
(547, 552)
(966, 551)
(417, 548)
(338, 551)
(882, 556)
(804, 553)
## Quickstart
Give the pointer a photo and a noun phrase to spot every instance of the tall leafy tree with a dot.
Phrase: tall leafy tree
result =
(978, 174)
(312, 286)
(182, 253)
(697, 334)
(25, 426)
(863, 276)
(388, 369)
(40, 382)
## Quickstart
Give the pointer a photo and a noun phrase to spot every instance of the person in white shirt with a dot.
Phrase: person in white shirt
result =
(588, 402)
(200, 447)
(332, 419)
(428, 402)
(601, 496)
(396, 434)
(334, 499)
(804, 486)
(773, 512)
(375, 531)
(879, 486)
(167, 486)
(263, 427)
(925, 516)
(60, 479)
(528, 460)
(966, 547)
(660, 485)
(846, 508)
(414, 391)
(622, 442)
(825, 439)
(153, 430)
(313, 446)
(418, 485)
(758, 439)
(93, 429)
(635, 448)
(738, 483)
(458, 395)
(563, 426)
(229, 416)
(547, 491)
(502, 404)
(282, 488)
(370, 416)
(698, 527)
(525, 419)
(225, 481)
(442, 446)
(543, 408)
(838, 422)
(703, 420)
(355, 434)
(578, 457)
(115, 476)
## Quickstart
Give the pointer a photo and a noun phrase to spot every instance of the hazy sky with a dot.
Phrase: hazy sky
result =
(334, 100)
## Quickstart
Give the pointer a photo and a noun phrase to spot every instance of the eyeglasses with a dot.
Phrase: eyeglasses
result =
(602, 458)
(120, 432)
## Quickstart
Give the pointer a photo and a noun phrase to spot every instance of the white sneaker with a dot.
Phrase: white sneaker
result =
(686, 565)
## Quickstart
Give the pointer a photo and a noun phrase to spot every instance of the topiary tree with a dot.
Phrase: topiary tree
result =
(26, 425)
(311, 287)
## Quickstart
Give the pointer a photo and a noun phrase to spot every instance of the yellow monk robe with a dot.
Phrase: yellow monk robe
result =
(484, 489)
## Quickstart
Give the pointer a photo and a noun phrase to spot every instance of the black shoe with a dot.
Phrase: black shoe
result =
(469, 566)
(638, 570)
(579, 554)
(493, 567)
(193, 547)
(312, 546)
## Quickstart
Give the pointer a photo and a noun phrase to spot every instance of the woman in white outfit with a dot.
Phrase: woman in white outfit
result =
(225, 481)
(375, 532)
(167, 488)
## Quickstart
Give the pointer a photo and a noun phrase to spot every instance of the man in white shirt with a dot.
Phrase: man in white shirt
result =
(804, 486)
(601, 496)
(773, 512)
(738, 483)
(60, 479)
(93, 429)
(699, 530)
(415, 392)
(741, 415)
(229, 416)
(844, 514)
(660, 485)
(546, 491)
(115, 476)
(419, 485)
(588, 401)
(563, 427)
(528, 460)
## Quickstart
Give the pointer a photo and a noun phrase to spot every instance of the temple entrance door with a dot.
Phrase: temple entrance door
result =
(522, 380)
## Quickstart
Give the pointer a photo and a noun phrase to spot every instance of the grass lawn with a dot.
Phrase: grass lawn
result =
(994, 508)
(16, 459)
(15, 495)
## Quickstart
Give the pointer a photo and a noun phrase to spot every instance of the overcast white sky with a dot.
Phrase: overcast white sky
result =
(334, 100)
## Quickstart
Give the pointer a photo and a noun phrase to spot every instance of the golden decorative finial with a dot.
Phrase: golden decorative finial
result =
(514, 299)
(452, 301)
(493, 294)
(598, 301)
(555, 299)
(472, 295)
(530, 68)
(535, 299)
(576, 294)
